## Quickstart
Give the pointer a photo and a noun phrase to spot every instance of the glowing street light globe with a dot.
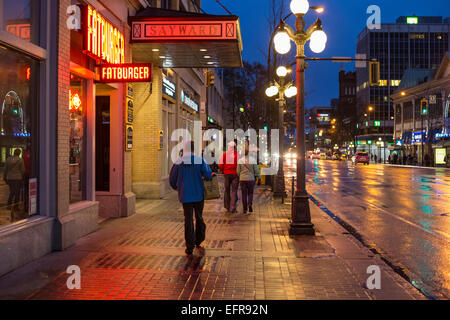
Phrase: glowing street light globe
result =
(320, 36)
(282, 72)
(291, 91)
(317, 47)
(299, 6)
(282, 42)
(271, 91)
(318, 41)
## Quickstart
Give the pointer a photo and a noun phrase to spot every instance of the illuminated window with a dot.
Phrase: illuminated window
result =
(18, 123)
(77, 156)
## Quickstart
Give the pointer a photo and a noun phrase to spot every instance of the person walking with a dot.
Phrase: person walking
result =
(26, 177)
(13, 176)
(248, 173)
(186, 176)
(228, 165)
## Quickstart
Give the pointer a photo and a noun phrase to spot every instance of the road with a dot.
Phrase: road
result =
(402, 212)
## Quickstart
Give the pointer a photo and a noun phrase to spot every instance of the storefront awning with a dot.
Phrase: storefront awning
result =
(175, 39)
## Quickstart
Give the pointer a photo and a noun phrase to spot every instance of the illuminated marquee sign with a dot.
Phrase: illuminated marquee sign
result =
(155, 30)
(127, 72)
(102, 41)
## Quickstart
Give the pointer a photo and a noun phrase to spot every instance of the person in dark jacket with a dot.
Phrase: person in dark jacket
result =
(186, 176)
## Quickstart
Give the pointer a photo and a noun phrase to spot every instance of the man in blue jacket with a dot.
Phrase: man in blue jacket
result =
(186, 177)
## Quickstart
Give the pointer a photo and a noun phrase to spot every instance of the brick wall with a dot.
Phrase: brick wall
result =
(63, 126)
(146, 157)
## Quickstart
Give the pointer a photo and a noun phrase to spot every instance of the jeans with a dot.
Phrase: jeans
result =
(247, 188)
(194, 238)
(231, 192)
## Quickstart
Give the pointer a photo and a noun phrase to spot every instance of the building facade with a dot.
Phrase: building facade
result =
(322, 126)
(346, 110)
(422, 128)
(412, 42)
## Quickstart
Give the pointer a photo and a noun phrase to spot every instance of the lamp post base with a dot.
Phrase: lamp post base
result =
(301, 216)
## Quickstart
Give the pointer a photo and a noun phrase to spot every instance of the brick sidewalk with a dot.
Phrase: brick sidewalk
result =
(247, 257)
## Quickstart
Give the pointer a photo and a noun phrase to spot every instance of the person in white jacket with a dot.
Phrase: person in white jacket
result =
(248, 173)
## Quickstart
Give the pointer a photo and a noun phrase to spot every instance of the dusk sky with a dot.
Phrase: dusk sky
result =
(342, 21)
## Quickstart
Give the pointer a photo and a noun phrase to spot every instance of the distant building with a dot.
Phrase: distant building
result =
(424, 132)
(346, 109)
(412, 42)
(320, 128)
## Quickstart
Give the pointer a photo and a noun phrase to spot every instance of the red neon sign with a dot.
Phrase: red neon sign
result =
(178, 30)
(74, 100)
(102, 40)
(127, 72)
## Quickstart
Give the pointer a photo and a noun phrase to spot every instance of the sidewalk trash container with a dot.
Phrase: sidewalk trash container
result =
(263, 178)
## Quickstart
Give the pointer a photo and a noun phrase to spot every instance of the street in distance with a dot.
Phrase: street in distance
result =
(230, 309)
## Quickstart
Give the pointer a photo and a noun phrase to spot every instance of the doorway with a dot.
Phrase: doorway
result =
(102, 143)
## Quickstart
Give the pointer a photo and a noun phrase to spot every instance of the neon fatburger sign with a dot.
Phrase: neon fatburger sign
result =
(128, 72)
(102, 41)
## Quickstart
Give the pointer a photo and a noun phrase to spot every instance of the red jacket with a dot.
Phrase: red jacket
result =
(227, 165)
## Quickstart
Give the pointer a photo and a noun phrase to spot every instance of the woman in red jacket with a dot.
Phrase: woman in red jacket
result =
(228, 166)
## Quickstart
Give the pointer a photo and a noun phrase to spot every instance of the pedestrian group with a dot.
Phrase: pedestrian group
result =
(187, 176)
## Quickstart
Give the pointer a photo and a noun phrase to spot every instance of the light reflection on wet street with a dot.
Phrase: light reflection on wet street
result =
(402, 212)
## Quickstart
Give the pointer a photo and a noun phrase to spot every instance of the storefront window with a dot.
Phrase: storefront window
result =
(21, 18)
(18, 140)
(77, 156)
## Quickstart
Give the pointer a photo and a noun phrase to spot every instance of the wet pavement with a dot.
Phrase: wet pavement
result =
(401, 212)
(247, 257)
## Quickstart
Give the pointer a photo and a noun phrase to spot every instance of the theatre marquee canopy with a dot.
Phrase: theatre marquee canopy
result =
(175, 39)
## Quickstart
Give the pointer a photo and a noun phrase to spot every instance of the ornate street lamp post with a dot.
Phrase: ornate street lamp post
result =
(285, 91)
(301, 216)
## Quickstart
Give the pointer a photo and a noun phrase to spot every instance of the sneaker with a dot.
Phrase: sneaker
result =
(250, 209)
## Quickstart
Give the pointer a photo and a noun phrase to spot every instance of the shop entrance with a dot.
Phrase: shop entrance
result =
(102, 143)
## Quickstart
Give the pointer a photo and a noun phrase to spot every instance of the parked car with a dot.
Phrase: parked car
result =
(362, 157)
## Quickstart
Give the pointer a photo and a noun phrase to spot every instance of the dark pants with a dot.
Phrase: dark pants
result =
(15, 186)
(231, 191)
(26, 191)
(247, 188)
(194, 238)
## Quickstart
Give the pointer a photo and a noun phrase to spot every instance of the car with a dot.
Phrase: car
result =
(362, 157)
(315, 156)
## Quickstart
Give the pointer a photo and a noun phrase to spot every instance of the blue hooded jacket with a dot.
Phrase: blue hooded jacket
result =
(186, 177)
